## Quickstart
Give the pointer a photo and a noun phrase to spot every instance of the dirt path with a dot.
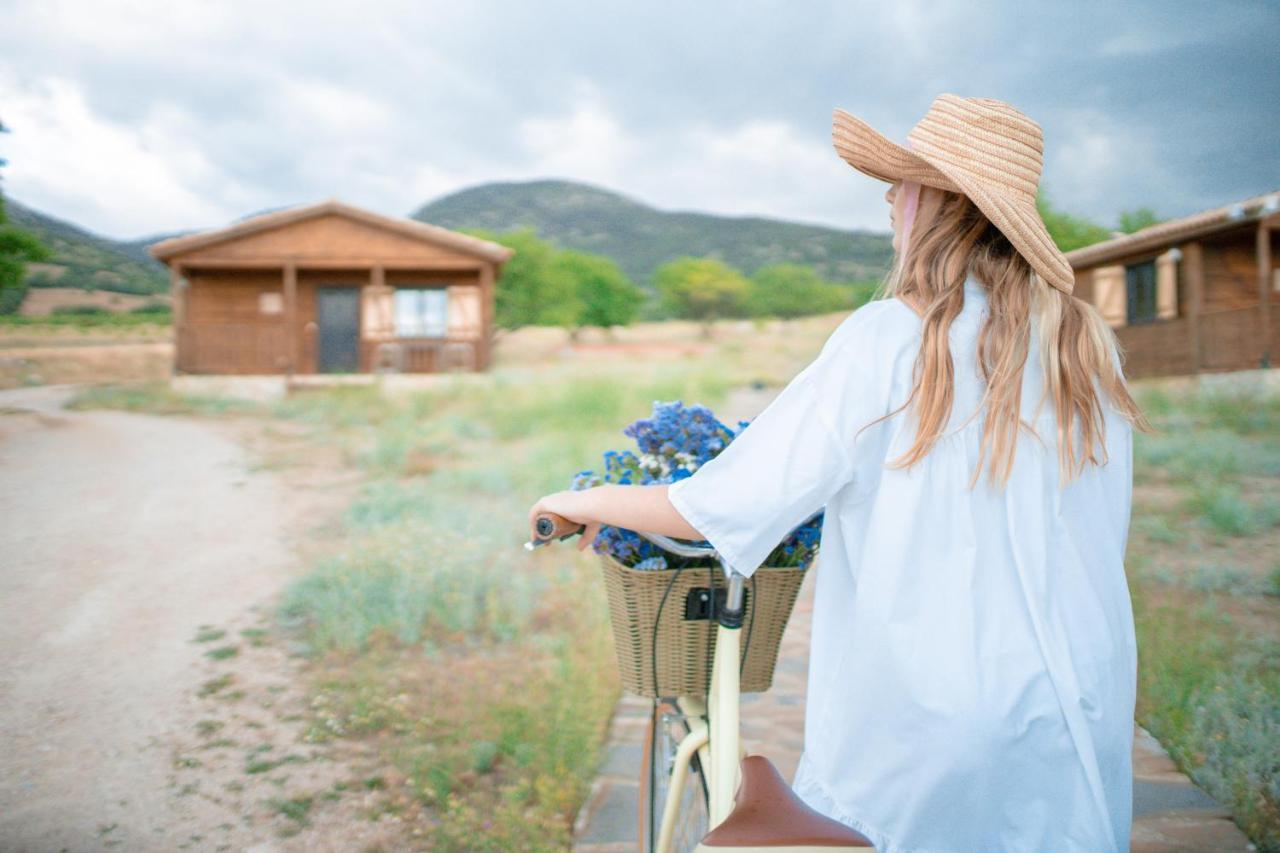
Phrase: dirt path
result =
(120, 535)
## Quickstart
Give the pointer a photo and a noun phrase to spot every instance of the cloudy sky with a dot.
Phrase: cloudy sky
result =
(132, 117)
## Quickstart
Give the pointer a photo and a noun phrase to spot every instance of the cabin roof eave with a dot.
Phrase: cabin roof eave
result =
(1179, 230)
(175, 247)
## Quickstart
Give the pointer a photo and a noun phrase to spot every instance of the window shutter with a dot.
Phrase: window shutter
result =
(1166, 287)
(464, 311)
(1109, 294)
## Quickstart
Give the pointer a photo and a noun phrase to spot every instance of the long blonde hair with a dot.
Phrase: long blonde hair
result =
(952, 239)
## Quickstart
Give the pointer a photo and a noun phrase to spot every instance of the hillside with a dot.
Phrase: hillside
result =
(640, 237)
(574, 215)
(86, 261)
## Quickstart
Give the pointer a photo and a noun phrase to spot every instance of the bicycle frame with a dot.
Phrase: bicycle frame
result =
(714, 728)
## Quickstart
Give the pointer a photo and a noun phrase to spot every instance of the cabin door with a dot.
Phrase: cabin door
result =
(338, 319)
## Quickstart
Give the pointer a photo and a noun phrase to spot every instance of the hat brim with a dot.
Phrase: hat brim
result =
(872, 153)
(1020, 221)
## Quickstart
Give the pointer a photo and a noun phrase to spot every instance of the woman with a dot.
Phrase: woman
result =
(973, 659)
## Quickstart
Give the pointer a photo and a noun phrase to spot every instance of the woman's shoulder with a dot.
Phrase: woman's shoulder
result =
(875, 328)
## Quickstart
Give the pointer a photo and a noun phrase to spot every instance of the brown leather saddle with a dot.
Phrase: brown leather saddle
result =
(767, 813)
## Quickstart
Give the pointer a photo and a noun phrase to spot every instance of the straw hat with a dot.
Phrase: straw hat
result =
(980, 147)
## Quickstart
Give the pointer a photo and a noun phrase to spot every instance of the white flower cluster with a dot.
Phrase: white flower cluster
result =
(659, 466)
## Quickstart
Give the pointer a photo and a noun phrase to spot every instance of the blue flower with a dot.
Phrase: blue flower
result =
(682, 438)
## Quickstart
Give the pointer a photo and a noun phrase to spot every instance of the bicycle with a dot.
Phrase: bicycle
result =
(692, 796)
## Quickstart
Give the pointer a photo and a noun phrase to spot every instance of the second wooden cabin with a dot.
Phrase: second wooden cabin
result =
(1190, 295)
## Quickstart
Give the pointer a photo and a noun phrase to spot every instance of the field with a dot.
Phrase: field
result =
(469, 682)
(43, 301)
(87, 348)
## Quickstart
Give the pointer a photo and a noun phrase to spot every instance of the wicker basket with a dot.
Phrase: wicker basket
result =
(675, 659)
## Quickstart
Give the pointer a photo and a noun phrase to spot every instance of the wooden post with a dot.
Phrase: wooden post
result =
(486, 316)
(377, 286)
(291, 316)
(178, 298)
(1264, 289)
(1193, 267)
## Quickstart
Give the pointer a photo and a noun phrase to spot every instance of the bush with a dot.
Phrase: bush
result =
(79, 310)
(152, 308)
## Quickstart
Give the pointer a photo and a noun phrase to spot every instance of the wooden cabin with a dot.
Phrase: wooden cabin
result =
(331, 288)
(1191, 295)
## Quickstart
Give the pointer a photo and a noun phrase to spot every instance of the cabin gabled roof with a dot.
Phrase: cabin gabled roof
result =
(1164, 234)
(433, 234)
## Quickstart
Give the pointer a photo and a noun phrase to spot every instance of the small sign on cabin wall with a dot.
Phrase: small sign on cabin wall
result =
(270, 302)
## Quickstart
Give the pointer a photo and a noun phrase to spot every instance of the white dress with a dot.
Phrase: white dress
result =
(973, 662)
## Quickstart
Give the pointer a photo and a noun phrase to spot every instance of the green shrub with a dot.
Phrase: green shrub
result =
(1237, 722)
(152, 308)
(79, 310)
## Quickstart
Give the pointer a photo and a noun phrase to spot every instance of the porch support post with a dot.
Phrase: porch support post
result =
(374, 326)
(1193, 260)
(1264, 289)
(291, 316)
(486, 316)
(178, 300)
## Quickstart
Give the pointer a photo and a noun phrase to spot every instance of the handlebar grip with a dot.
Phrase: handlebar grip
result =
(549, 525)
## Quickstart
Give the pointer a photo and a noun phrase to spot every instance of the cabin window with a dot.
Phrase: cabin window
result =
(1140, 284)
(422, 312)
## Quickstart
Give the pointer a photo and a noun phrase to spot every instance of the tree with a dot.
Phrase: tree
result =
(793, 290)
(607, 297)
(1069, 232)
(17, 249)
(1136, 220)
(702, 289)
(532, 290)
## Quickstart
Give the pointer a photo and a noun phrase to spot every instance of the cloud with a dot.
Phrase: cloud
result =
(138, 116)
(588, 142)
(122, 179)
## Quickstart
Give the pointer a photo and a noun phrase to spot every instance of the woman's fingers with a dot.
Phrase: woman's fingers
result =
(588, 536)
(564, 504)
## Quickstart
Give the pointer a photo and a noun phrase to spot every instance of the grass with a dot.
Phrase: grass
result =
(208, 634)
(158, 398)
(480, 673)
(1206, 592)
(88, 320)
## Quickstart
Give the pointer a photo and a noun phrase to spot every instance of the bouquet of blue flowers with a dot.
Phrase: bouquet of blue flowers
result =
(673, 442)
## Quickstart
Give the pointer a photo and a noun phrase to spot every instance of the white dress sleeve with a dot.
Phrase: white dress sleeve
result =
(791, 458)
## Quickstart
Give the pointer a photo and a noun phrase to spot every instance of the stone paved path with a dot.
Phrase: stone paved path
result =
(1170, 814)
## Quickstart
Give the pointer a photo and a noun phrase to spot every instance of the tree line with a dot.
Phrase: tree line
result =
(544, 285)
(17, 249)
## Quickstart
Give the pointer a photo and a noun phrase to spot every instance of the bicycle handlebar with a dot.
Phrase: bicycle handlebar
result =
(550, 527)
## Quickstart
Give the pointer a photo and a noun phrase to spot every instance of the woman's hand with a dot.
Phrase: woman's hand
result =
(573, 505)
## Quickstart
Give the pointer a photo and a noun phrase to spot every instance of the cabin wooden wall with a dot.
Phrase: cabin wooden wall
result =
(224, 327)
(1230, 272)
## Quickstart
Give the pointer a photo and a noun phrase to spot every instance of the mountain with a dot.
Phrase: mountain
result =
(87, 261)
(639, 237)
(579, 216)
